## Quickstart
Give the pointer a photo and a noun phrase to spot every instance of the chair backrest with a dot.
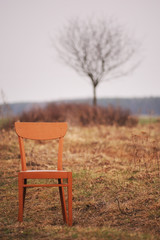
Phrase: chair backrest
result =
(41, 131)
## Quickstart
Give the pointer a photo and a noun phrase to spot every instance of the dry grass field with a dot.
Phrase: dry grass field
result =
(116, 185)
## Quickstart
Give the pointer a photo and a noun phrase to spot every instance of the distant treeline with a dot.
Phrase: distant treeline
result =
(137, 106)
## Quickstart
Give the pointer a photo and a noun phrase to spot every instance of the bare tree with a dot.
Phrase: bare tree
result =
(98, 49)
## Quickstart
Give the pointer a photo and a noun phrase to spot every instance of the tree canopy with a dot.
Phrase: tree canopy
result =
(98, 49)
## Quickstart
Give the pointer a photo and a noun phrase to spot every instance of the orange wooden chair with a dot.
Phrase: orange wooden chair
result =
(44, 131)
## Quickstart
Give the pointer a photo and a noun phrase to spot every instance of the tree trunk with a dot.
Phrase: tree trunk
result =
(94, 96)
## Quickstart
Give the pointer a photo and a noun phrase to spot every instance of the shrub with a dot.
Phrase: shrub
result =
(79, 114)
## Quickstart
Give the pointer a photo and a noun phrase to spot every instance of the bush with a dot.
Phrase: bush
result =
(79, 114)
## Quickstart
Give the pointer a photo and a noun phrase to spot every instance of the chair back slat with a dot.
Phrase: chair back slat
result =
(60, 151)
(41, 130)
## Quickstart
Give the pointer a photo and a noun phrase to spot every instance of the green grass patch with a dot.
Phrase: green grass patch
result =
(147, 120)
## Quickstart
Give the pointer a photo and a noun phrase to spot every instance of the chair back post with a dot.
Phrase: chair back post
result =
(22, 152)
(60, 152)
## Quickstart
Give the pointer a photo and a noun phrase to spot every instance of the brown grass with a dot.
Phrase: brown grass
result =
(116, 185)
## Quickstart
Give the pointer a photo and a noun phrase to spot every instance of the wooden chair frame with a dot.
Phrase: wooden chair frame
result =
(44, 131)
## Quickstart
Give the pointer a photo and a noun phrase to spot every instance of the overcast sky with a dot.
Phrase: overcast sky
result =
(30, 69)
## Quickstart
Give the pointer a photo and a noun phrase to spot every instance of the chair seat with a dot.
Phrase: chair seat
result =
(41, 171)
(36, 174)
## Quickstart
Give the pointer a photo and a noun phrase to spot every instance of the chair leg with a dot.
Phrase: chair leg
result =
(24, 192)
(20, 188)
(63, 203)
(70, 199)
